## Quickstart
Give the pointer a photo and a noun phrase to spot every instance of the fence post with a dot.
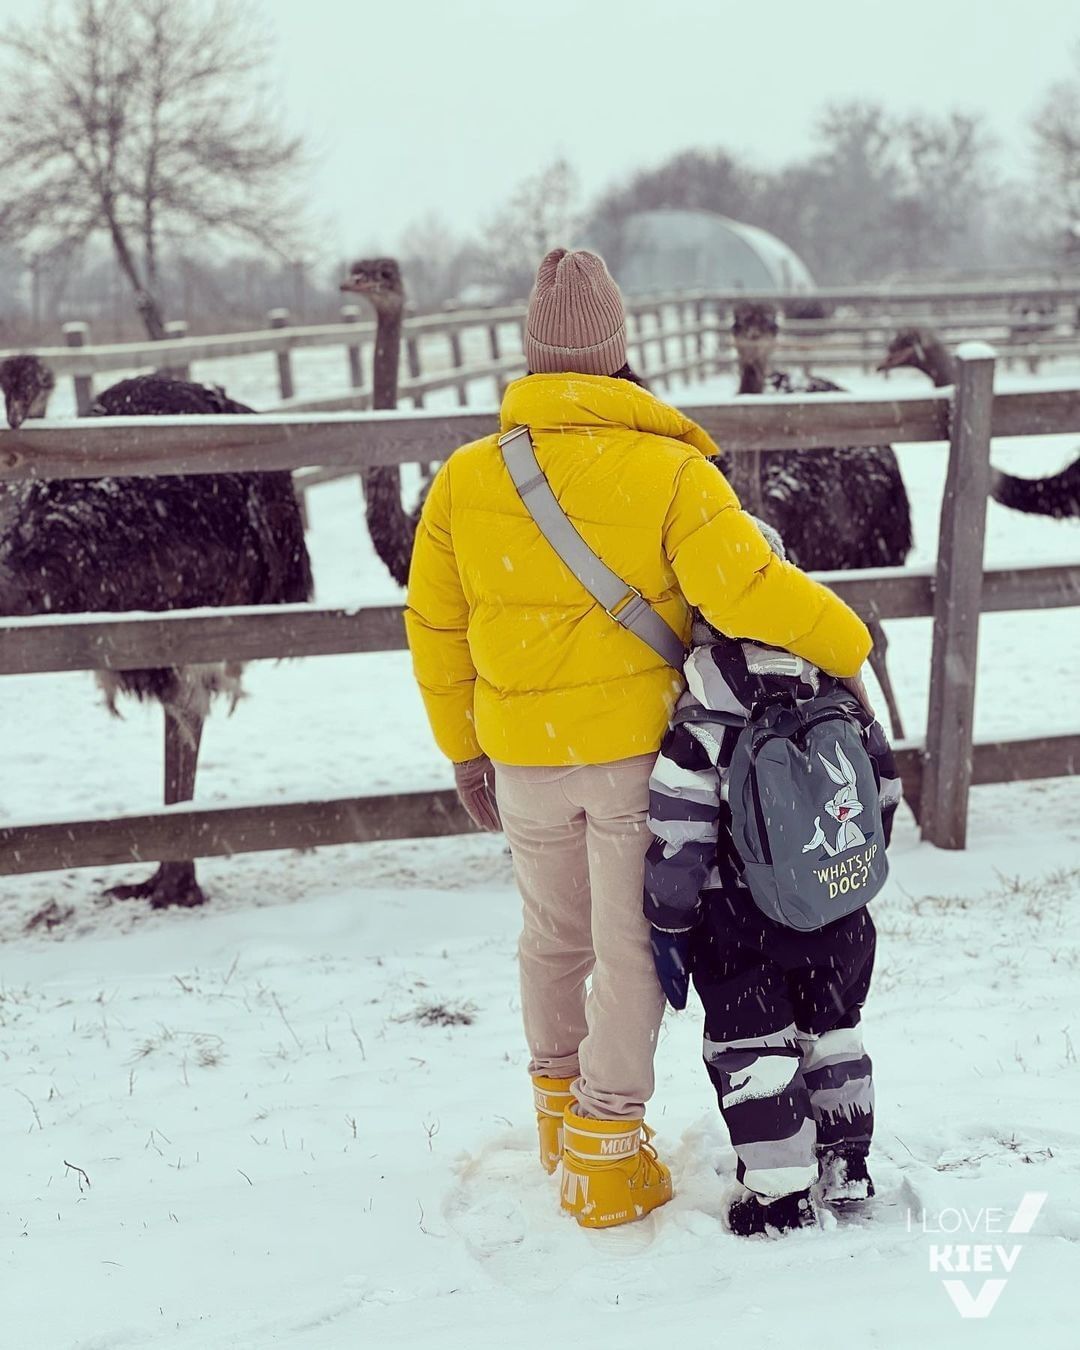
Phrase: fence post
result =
(412, 355)
(634, 353)
(177, 328)
(457, 360)
(722, 332)
(957, 601)
(279, 318)
(686, 319)
(699, 320)
(654, 345)
(351, 314)
(75, 335)
(496, 355)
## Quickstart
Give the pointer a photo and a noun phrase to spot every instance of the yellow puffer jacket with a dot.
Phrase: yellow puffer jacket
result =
(513, 656)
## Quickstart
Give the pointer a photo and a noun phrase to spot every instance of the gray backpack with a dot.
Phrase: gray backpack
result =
(805, 812)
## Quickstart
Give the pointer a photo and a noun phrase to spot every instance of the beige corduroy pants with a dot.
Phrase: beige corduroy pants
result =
(578, 838)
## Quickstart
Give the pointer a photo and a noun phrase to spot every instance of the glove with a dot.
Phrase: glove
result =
(671, 956)
(475, 782)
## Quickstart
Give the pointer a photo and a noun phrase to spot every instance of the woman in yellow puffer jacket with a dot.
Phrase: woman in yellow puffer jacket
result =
(521, 669)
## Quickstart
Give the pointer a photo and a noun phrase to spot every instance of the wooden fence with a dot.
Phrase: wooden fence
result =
(676, 335)
(937, 771)
(671, 337)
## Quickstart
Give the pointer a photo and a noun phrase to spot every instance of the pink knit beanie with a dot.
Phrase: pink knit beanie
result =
(576, 320)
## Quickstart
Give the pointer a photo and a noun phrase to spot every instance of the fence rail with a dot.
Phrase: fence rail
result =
(186, 831)
(937, 774)
(271, 632)
(692, 322)
(145, 447)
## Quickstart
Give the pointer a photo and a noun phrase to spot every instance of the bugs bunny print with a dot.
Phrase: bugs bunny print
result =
(844, 806)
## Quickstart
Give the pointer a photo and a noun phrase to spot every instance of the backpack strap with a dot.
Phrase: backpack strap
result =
(626, 605)
(695, 712)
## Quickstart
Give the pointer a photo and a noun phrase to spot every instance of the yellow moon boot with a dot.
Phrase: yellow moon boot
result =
(552, 1096)
(610, 1171)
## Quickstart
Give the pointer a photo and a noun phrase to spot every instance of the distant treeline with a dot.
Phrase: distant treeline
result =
(880, 198)
(209, 295)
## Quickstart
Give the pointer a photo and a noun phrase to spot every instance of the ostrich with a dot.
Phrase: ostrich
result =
(107, 544)
(391, 527)
(835, 508)
(1057, 496)
(27, 384)
(1033, 318)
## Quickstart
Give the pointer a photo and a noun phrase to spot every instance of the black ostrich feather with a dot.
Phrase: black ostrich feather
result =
(783, 382)
(163, 396)
(836, 508)
(175, 542)
(1057, 496)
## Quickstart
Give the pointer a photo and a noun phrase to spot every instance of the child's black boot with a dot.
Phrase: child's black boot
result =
(845, 1178)
(748, 1217)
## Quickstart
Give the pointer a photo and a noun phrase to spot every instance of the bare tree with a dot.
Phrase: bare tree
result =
(878, 194)
(857, 177)
(946, 181)
(883, 194)
(431, 260)
(542, 214)
(139, 120)
(1057, 143)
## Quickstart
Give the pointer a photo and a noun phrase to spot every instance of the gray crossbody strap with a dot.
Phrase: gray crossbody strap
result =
(625, 605)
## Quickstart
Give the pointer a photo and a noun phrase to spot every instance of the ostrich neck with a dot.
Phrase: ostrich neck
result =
(391, 527)
(940, 366)
(386, 359)
(751, 377)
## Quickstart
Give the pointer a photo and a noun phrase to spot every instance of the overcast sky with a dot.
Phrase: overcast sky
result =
(419, 105)
(414, 106)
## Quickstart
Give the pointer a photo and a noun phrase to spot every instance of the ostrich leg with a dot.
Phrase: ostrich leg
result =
(881, 671)
(174, 882)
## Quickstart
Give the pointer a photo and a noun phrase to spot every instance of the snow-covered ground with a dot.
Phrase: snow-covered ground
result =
(285, 1145)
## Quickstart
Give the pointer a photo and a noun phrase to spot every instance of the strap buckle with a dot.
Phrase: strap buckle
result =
(513, 434)
(632, 594)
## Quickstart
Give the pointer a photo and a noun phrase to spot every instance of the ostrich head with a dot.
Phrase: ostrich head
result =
(922, 350)
(378, 280)
(908, 348)
(27, 383)
(754, 328)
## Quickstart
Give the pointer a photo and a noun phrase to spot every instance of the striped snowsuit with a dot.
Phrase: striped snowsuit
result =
(782, 1045)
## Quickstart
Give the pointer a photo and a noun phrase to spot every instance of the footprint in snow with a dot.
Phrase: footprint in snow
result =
(505, 1209)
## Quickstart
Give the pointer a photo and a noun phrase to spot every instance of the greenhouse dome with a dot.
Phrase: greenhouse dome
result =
(674, 250)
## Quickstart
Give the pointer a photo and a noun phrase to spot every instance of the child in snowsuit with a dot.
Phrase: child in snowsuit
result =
(783, 1045)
